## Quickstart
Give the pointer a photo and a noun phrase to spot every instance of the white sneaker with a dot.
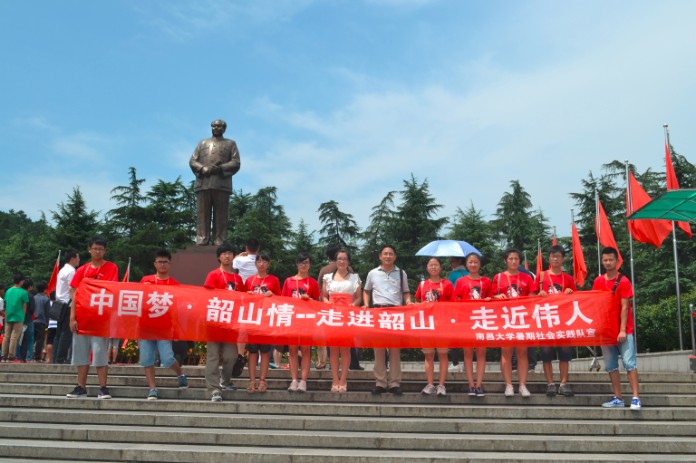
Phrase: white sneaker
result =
(509, 390)
(429, 390)
(441, 389)
(524, 392)
(293, 386)
(302, 386)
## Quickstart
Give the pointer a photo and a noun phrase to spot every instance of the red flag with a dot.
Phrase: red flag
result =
(579, 267)
(539, 262)
(126, 276)
(604, 233)
(553, 239)
(53, 281)
(645, 231)
(673, 184)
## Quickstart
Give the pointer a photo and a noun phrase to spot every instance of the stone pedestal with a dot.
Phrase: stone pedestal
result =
(191, 265)
(692, 363)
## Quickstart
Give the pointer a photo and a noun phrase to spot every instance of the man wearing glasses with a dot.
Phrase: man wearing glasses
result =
(163, 260)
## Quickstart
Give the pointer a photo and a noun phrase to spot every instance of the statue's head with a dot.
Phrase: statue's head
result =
(218, 126)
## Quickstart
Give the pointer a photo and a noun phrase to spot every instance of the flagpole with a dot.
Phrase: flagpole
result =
(630, 242)
(674, 248)
(598, 225)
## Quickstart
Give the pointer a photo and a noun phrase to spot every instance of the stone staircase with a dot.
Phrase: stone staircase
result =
(38, 423)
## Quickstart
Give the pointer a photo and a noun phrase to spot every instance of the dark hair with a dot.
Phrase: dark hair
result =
(52, 295)
(385, 246)
(97, 240)
(41, 286)
(17, 278)
(301, 257)
(224, 247)
(70, 254)
(263, 256)
(331, 251)
(27, 283)
(344, 251)
(511, 251)
(557, 248)
(431, 258)
(252, 245)
(610, 250)
(163, 253)
(472, 254)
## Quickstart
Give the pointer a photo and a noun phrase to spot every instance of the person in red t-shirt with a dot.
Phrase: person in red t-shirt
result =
(618, 284)
(513, 284)
(435, 289)
(163, 261)
(268, 285)
(99, 269)
(222, 277)
(304, 287)
(548, 283)
(473, 287)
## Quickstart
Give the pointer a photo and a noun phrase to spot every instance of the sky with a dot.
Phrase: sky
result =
(342, 99)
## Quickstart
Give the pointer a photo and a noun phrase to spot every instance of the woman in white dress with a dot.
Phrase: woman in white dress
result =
(342, 287)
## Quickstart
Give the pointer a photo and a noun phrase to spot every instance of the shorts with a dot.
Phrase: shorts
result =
(281, 349)
(564, 354)
(431, 350)
(627, 349)
(114, 343)
(83, 345)
(256, 348)
(51, 336)
(147, 353)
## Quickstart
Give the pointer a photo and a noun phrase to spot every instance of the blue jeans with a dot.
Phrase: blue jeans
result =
(147, 353)
(627, 349)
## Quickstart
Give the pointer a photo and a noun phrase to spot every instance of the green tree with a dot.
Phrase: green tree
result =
(470, 226)
(377, 233)
(338, 227)
(415, 224)
(518, 225)
(74, 224)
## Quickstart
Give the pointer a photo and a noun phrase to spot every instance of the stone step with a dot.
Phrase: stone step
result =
(535, 385)
(367, 375)
(352, 439)
(146, 452)
(384, 409)
(282, 395)
(475, 425)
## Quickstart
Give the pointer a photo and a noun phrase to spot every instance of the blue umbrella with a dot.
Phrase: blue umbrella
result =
(448, 248)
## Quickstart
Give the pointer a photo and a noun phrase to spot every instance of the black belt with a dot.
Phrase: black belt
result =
(381, 306)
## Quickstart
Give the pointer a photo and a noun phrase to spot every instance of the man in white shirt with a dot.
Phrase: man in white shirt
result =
(245, 262)
(63, 339)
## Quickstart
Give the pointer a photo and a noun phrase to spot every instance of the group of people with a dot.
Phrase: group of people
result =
(385, 286)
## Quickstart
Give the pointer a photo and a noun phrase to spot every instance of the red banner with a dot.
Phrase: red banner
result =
(137, 311)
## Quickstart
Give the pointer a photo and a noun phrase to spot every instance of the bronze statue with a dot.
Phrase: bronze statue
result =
(214, 162)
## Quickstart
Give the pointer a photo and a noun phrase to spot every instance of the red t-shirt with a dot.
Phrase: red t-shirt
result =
(623, 291)
(295, 288)
(432, 292)
(260, 285)
(153, 280)
(512, 286)
(106, 271)
(553, 284)
(467, 288)
(219, 279)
